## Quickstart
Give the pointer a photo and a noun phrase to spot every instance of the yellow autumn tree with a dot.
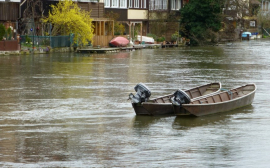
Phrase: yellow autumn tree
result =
(67, 18)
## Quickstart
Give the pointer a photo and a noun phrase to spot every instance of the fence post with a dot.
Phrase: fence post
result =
(69, 40)
(241, 31)
(16, 29)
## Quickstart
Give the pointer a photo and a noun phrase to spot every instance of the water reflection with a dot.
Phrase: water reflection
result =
(146, 121)
(187, 122)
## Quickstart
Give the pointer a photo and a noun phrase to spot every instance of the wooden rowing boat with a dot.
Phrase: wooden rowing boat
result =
(220, 102)
(163, 105)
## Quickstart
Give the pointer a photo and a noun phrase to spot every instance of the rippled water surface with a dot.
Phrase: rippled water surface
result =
(71, 110)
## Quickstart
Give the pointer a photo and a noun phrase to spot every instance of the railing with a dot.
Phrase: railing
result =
(266, 32)
(62, 41)
(52, 41)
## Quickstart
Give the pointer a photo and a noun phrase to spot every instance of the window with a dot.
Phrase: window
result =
(136, 3)
(175, 4)
(158, 5)
(145, 6)
(87, 0)
(115, 3)
(107, 3)
(265, 6)
(164, 4)
(143, 3)
(123, 3)
(252, 23)
(172, 4)
(130, 3)
(151, 5)
(178, 4)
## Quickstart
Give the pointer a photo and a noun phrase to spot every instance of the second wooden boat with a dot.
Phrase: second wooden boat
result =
(163, 105)
(220, 102)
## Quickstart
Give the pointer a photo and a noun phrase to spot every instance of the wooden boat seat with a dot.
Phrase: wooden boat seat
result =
(201, 102)
(211, 89)
(163, 100)
(245, 92)
(208, 92)
(195, 93)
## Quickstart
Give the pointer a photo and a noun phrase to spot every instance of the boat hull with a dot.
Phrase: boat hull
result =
(163, 105)
(147, 40)
(153, 109)
(236, 101)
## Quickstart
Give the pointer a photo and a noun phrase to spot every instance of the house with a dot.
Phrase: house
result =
(251, 20)
(158, 17)
(264, 17)
(164, 17)
(28, 19)
(42, 8)
(133, 14)
(265, 6)
(238, 17)
(9, 12)
(95, 6)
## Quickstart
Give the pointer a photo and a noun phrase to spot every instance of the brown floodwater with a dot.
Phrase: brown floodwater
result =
(71, 110)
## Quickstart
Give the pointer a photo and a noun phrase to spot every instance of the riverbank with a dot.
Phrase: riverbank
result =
(26, 50)
(37, 50)
(88, 49)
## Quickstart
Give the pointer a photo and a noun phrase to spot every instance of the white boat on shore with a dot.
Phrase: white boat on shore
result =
(146, 39)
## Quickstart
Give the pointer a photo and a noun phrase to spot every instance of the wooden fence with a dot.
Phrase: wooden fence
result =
(13, 45)
(102, 40)
(9, 45)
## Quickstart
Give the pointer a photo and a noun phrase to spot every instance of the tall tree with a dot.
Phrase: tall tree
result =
(31, 16)
(67, 18)
(264, 21)
(200, 20)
